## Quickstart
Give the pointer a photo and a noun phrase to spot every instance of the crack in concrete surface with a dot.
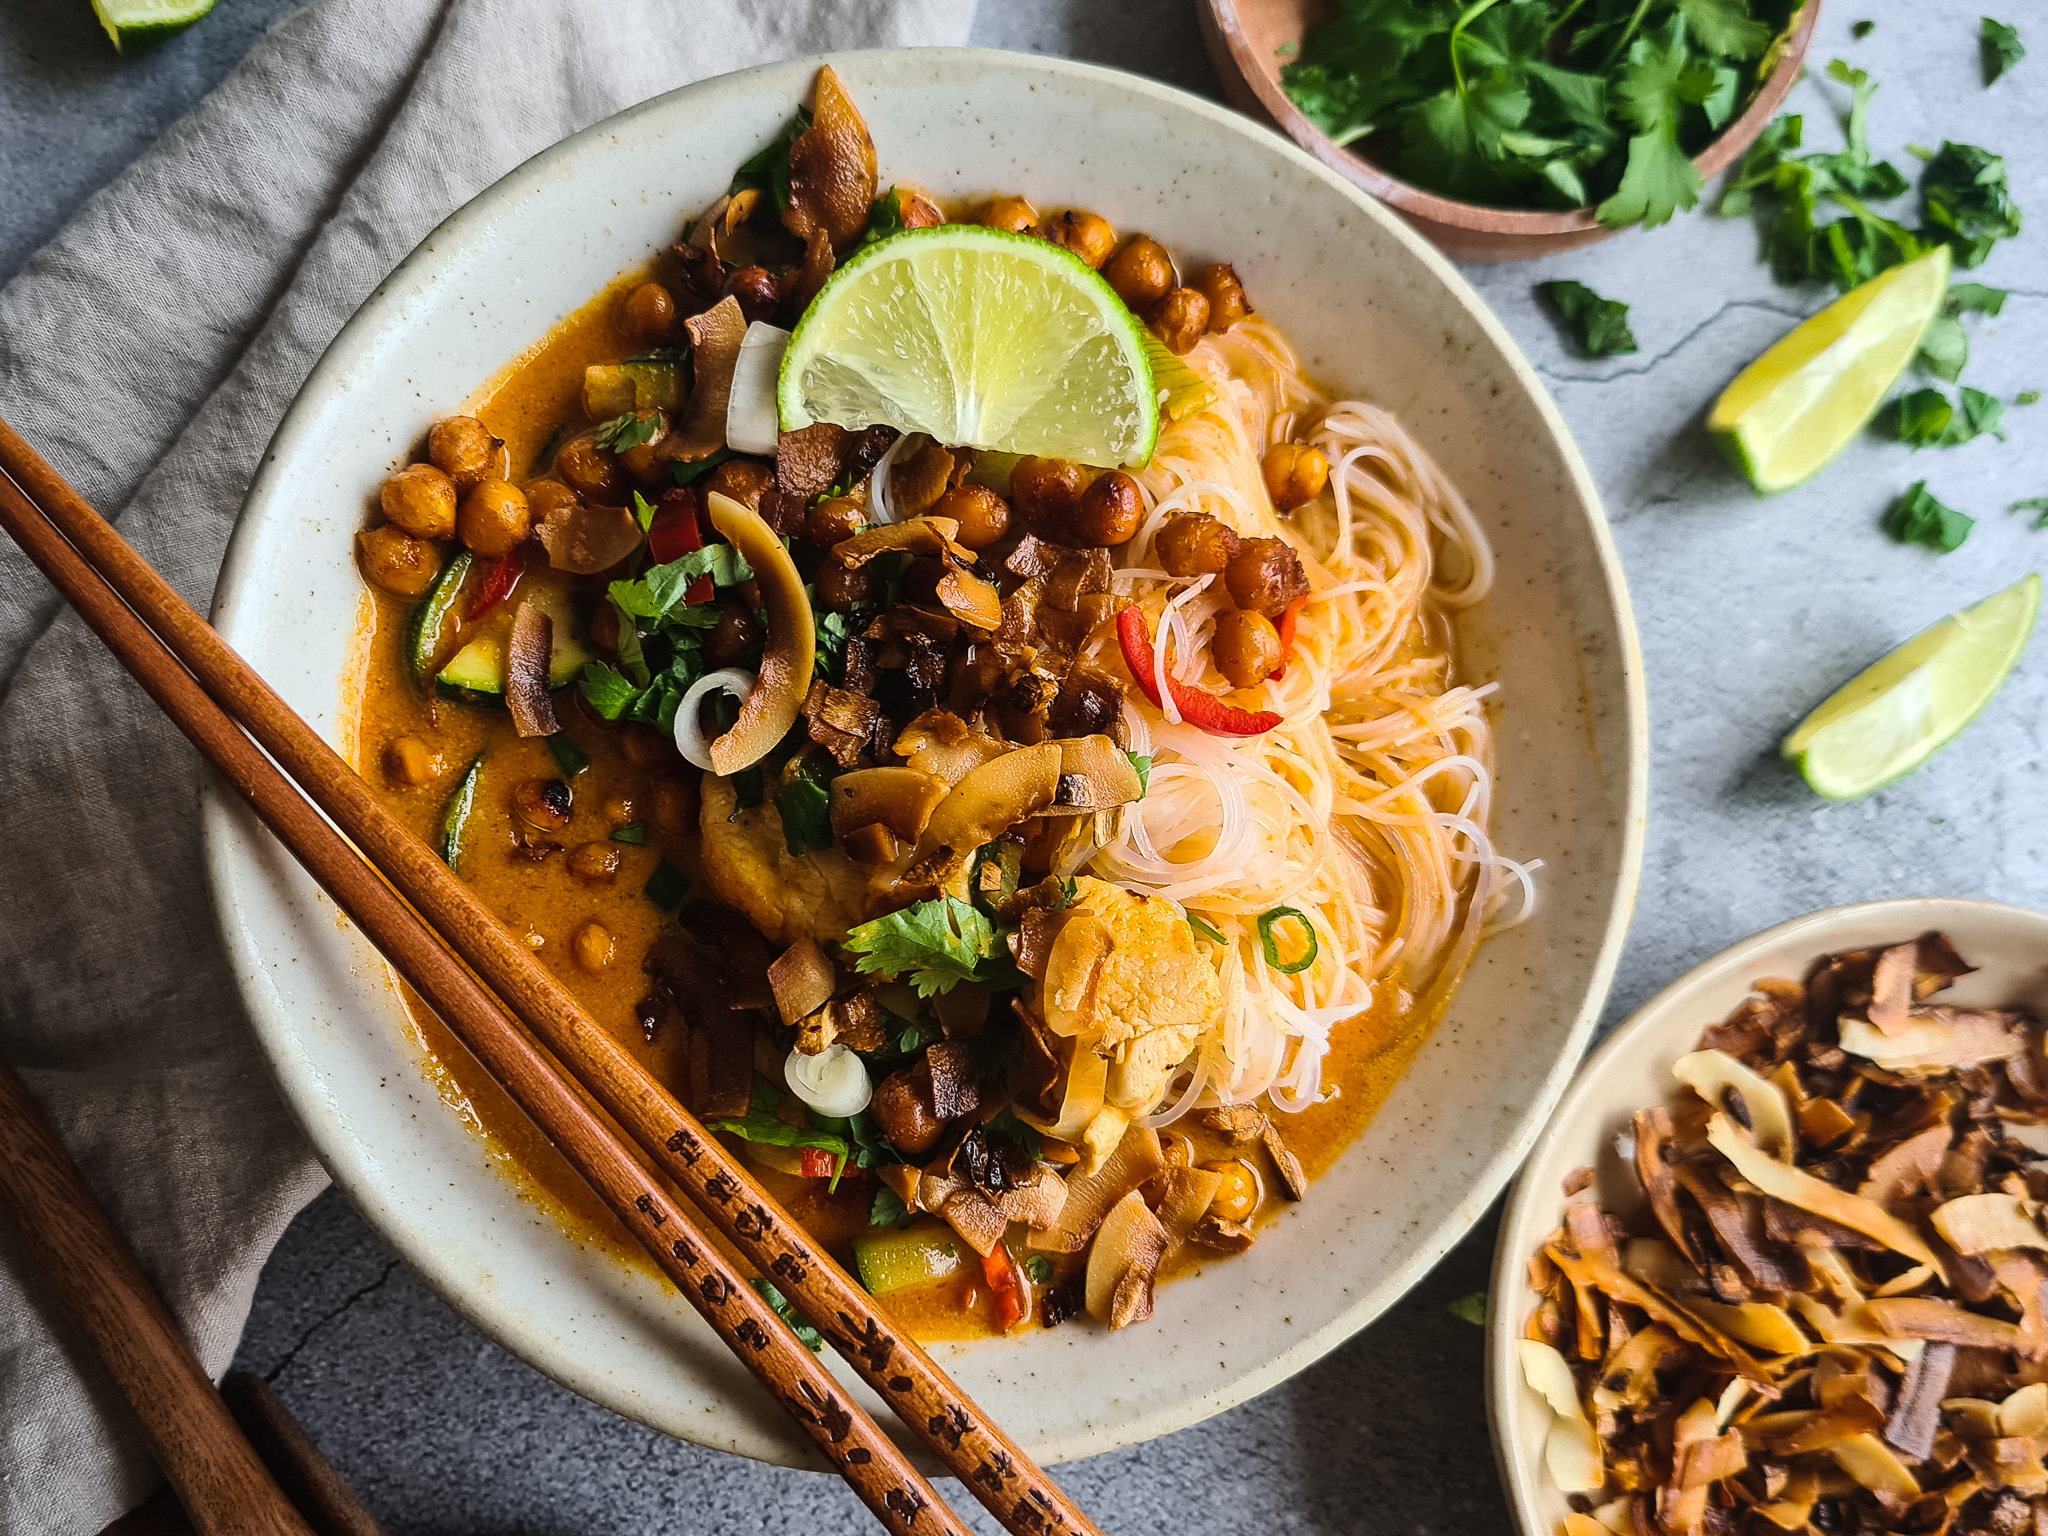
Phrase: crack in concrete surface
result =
(277, 1370)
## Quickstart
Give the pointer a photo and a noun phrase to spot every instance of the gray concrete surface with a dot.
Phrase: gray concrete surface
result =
(1751, 611)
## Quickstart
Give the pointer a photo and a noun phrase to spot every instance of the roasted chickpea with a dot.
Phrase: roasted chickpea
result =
(604, 629)
(543, 804)
(643, 461)
(675, 805)
(1179, 319)
(1012, 213)
(463, 449)
(736, 632)
(420, 500)
(620, 808)
(595, 863)
(1246, 647)
(592, 946)
(1295, 475)
(592, 472)
(546, 498)
(757, 292)
(746, 481)
(1238, 1195)
(647, 315)
(840, 590)
(983, 516)
(1086, 234)
(645, 747)
(1109, 510)
(902, 1107)
(834, 521)
(1045, 492)
(1141, 272)
(396, 561)
(1225, 294)
(1194, 544)
(410, 762)
(494, 518)
(1264, 576)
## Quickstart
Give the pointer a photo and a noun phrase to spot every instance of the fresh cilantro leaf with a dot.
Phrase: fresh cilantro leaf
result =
(643, 509)
(1856, 128)
(833, 630)
(805, 806)
(1469, 1309)
(632, 655)
(1974, 298)
(768, 169)
(936, 945)
(569, 757)
(1070, 892)
(662, 593)
(2027, 397)
(764, 1127)
(633, 832)
(1600, 326)
(1981, 414)
(1725, 27)
(2034, 504)
(1453, 140)
(697, 469)
(1917, 518)
(1966, 202)
(1660, 178)
(605, 689)
(1039, 1268)
(885, 218)
(1944, 348)
(1144, 766)
(887, 1208)
(2002, 48)
(1862, 29)
(666, 887)
(806, 1335)
(1922, 417)
(630, 430)
(1356, 70)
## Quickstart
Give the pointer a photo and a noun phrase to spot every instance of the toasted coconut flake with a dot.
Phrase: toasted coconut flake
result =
(1797, 1187)
(1138, 1157)
(1927, 1317)
(1978, 1223)
(1716, 1077)
(790, 653)
(918, 479)
(584, 539)
(1755, 1323)
(715, 338)
(1916, 1411)
(1653, 1136)
(1621, 1288)
(1871, 1462)
(1907, 1167)
(527, 660)
(1285, 1163)
(1891, 988)
(1937, 1039)
(831, 168)
(1572, 1450)
(923, 536)
(1223, 1236)
(803, 980)
(1123, 1263)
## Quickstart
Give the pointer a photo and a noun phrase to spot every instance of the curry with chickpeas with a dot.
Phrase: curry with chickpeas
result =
(1038, 869)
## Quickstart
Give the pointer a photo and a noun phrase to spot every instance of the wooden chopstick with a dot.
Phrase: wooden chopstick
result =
(865, 1456)
(217, 1475)
(993, 1467)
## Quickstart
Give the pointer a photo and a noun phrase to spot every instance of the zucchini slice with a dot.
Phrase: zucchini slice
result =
(430, 615)
(476, 675)
(455, 819)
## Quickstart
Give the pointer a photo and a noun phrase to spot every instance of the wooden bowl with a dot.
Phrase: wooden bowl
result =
(1244, 39)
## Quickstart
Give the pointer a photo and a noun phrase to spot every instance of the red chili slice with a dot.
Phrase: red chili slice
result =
(816, 1162)
(499, 577)
(1203, 710)
(1009, 1295)
(676, 532)
(1290, 621)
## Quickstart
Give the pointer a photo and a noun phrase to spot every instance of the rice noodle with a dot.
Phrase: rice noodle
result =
(1367, 809)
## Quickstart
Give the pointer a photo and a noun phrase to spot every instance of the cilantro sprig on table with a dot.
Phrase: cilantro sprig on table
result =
(1600, 326)
(1544, 103)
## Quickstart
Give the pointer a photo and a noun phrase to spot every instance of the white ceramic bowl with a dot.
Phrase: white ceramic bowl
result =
(1374, 310)
(1632, 1070)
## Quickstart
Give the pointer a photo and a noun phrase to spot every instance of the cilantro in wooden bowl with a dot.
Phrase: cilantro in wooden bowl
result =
(1505, 129)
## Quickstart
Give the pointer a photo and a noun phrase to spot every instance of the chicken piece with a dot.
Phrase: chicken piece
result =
(818, 896)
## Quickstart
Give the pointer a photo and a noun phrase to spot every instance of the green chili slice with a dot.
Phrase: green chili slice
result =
(1206, 929)
(1267, 920)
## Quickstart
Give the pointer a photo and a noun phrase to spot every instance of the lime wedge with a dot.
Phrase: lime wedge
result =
(1797, 406)
(1889, 719)
(980, 337)
(137, 24)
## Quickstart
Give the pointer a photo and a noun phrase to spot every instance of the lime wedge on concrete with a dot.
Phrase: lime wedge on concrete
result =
(137, 24)
(1797, 406)
(980, 337)
(1890, 718)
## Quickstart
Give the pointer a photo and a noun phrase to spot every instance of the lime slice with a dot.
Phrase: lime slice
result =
(1889, 719)
(980, 337)
(1797, 406)
(137, 24)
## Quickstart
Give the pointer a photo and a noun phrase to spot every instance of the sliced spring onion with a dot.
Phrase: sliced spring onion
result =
(1267, 922)
(455, 818)
(1209, 931)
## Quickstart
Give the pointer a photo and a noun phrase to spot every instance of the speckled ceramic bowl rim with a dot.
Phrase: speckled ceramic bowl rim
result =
(1535, 1206)
(242, 582)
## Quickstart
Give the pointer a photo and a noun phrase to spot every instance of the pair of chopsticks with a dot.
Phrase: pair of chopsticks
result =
(456, 955)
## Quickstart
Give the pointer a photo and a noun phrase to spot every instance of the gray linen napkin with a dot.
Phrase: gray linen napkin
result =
(149, 352)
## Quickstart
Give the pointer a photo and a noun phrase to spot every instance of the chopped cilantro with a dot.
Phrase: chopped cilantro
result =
(2034, 504)
(1927, 418)
(1862, 29)
(662, 593)
(697, 469)
(667, 886)
(1966, 202)
(1469, 1309)
(633, 832)
(2027, 397)
(806, 1335)
(805, 806)
(1600, 326)
(630, 430)
(1143, 765)
(569, 757)
(606, 689)
(1039, 1268)
(643, 509)
(1917, 518)
(935, 945)
(764, 1127)
(884, 219)
(2002, 50)
(768, 170)
(887, 1208)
